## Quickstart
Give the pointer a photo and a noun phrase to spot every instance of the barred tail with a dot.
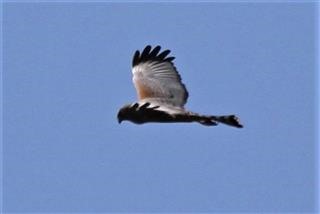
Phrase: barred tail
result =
(230, 120)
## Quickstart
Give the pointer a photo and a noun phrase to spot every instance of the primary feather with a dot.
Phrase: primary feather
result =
(155, 77)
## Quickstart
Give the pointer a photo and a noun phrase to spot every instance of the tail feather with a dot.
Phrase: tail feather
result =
(207, 121)
(230, 120)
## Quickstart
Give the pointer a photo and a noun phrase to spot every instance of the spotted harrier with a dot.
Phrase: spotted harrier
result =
(161, 93)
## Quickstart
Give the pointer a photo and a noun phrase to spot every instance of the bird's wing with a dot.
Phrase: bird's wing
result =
(156, 77)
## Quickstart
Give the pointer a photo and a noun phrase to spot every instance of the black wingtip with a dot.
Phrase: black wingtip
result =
(163, 55)
(151, 54)
(155, 51)
(145, 53)
(136, 58)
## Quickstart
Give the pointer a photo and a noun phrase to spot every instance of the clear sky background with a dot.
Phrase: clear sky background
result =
(67, 71)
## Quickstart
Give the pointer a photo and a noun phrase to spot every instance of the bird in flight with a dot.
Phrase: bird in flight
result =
(161, 93)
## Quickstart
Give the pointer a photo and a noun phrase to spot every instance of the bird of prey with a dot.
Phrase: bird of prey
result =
(161, 93)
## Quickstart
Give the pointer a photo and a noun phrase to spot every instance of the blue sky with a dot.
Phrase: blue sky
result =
(67, 72)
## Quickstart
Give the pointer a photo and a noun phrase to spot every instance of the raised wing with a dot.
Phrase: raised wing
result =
(156, 77)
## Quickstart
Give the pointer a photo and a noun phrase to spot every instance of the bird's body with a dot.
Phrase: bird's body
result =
(161, 94)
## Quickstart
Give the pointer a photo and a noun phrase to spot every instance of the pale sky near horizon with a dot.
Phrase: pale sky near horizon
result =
(66, 72)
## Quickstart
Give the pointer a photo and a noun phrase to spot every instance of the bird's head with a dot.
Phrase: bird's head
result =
(124, 113)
